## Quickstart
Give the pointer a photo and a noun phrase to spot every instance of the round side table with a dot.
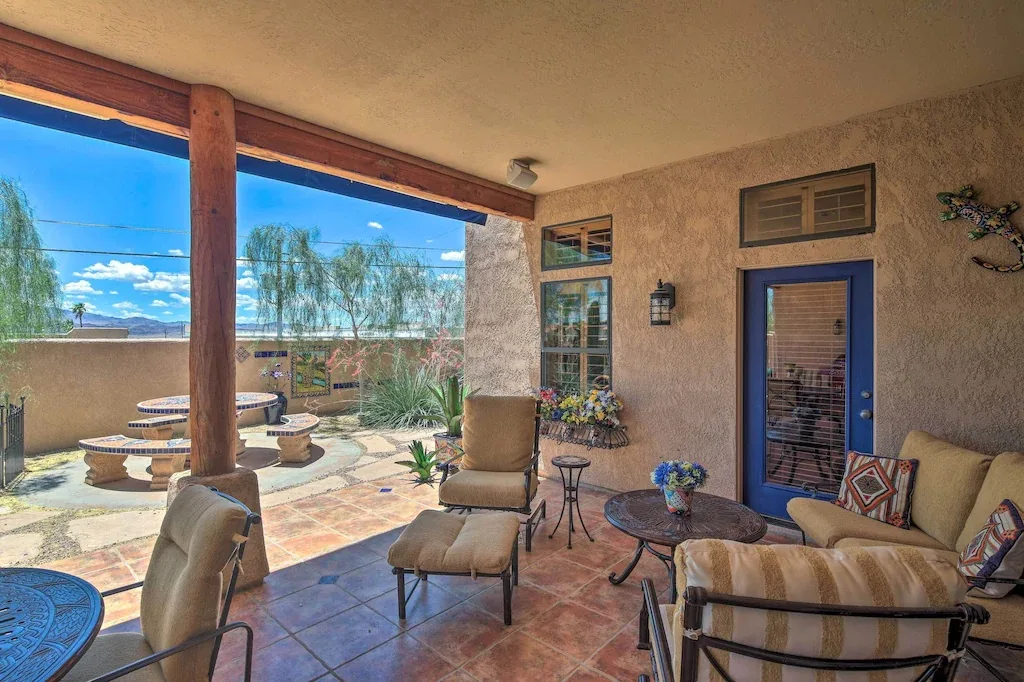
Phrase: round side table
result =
(570, 490)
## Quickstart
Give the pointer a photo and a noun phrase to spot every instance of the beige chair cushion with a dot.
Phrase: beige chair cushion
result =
(110, 652)
(932, 508)
(182, 589)
(863, 576)
(497, 433)
(1005, 481)
(470, 488)
(1007, 622)
(450, 543)
(826, 523)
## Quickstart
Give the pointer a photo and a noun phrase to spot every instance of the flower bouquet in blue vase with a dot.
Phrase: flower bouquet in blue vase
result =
(678, 479)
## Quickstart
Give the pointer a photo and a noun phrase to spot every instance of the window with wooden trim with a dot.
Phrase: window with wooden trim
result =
(585, 242)
(576, 334)
(816, 207)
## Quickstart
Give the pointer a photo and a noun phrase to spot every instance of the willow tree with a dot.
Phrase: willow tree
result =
(30, 302)
(290, 277)
(375, 287)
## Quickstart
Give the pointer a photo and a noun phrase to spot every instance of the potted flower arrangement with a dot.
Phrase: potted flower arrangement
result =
(590, 419)
(449, 398)
(273, 375)
(678, 479)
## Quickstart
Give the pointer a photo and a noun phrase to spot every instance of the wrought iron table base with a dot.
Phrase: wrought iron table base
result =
(570, 496)
(663, 558)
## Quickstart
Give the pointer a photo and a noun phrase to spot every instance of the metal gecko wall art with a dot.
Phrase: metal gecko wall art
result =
(987, 220)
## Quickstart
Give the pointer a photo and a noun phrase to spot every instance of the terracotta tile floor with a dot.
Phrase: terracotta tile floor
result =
(329, 608)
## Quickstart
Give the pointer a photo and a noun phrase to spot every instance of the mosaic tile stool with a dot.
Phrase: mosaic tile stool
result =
(159, 427)
(476, 545)
(293, 436)
(105, 458)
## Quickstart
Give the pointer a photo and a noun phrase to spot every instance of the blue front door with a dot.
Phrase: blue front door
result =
(808, 368)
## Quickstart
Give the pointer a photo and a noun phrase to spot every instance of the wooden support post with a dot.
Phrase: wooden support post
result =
(211, 361)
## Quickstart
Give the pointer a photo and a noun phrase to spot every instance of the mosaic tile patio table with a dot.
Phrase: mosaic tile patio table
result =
(643, 515)
(47, 621)
(179, 404)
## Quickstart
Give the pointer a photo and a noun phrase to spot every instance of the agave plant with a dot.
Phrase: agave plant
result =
(422, 463)
(449, 397)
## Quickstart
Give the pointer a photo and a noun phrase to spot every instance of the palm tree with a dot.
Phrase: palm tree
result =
(78, 311)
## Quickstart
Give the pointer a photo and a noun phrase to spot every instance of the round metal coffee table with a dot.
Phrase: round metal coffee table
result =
(643, 515)
(47, 621)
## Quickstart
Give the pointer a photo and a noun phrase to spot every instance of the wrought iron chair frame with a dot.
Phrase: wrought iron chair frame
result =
(939, 667)
(977, 655)
(219, 632)
(533, 515)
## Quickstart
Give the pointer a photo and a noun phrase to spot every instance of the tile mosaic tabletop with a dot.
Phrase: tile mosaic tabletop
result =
(122, 445)
(179, 404)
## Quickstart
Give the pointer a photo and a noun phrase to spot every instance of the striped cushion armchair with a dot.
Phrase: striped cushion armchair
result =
(782, 612)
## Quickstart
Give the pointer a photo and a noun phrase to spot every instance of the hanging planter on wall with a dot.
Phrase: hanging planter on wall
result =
(590, 435)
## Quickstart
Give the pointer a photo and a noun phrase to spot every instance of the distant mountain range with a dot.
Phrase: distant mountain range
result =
(136, 326)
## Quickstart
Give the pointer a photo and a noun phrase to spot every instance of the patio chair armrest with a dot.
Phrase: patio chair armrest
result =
(530, 469)
(123, 588)
(661, 654)
(446, 467)
(187, 644)
(1000, 581)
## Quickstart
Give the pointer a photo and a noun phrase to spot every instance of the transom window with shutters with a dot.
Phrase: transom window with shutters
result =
(585, 242)
(816, 207)
(576, 334)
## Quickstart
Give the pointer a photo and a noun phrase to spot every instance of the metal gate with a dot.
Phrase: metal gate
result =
(12, 441)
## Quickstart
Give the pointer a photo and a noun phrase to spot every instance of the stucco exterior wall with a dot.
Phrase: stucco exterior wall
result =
(84, 388)
(948, 334)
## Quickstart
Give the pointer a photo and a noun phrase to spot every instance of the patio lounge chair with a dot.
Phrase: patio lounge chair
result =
(501, 454)
(781, 612)
(183, 614)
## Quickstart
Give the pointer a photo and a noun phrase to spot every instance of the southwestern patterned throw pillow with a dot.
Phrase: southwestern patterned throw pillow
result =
(878, 487)
(997, 551)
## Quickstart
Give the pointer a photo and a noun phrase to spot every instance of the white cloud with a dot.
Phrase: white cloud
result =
(246, 283)
(176, 252)
(181, 300)
(242, 262)
(453, 255)
(159, 304)
(112, 292)
(126, 307)
(430, 241)
(80, 288)
(248, 273)
(375, 225)
(245, 319)
(115, 269)
(167, 312)
(165, 281)
(246, 302)
(446, 276)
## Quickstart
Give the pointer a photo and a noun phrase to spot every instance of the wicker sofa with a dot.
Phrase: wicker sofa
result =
(955, 492)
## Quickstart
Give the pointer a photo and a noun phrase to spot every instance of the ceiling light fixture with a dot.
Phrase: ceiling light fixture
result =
(518, 174)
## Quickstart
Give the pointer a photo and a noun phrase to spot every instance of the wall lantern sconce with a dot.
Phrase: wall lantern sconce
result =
(663, 300)
(837, 328)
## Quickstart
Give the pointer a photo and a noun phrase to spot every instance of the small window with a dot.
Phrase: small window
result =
(586, 242)
(576, 340)
(818, 207)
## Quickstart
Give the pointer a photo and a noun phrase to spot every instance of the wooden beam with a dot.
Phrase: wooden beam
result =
(211, 350)
(47, 72)
(270, 135)
(51, 73)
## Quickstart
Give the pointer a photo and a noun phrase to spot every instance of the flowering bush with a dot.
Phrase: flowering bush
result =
(679, 473)
(272, 376)
(597, 407)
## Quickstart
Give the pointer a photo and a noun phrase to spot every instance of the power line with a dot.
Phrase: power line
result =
(134, 228)
(183, 257)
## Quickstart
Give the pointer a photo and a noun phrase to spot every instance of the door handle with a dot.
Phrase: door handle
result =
(865, 394)
(866, 414)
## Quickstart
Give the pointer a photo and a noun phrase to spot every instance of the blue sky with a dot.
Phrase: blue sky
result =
(75, 179)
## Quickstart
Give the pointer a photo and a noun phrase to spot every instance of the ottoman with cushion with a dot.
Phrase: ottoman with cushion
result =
(476, 545)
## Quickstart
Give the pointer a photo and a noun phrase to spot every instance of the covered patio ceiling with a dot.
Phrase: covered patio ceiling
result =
(588, 89)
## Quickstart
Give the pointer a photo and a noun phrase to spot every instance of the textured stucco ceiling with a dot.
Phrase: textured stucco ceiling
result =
(589, 88)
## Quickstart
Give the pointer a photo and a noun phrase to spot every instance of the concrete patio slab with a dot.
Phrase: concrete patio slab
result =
(94, 532)
(13, 522)
(380, 469)
(376, 444)
(19, 547)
